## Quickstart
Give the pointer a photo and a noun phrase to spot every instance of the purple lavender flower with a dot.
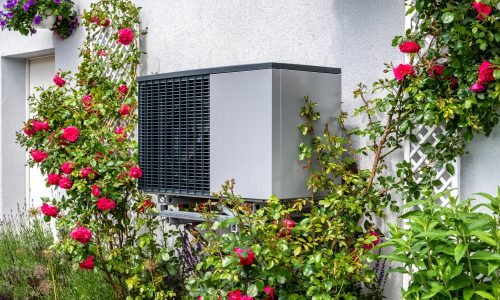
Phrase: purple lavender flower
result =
(28, 4)
(37, 20)
(57, 1)
(9, 15)
(3, 23)
(10, 4)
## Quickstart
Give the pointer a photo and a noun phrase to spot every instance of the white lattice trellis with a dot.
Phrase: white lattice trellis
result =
(415, 155)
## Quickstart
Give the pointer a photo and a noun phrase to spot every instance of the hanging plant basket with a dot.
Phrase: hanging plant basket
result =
(47, 23)
(26, 17)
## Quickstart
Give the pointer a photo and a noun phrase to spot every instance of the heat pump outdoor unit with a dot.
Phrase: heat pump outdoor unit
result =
(199, 128)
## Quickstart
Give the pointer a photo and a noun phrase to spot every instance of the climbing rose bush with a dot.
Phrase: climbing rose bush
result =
(80, 139)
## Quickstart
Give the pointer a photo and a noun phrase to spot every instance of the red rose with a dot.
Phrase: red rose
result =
(70, 133)
(105, 204)
(121, 135)
(135, 172)
(29, 131)
(245, 261)
(125, 36)
(58, 80)
(269, 291)
(87, 264)
(147, 204)
(436, 70)
(235, 295)
(246, 297)
(65, 183)
(95, 19)
(85, 172)
(402, 71)
(40, 126)
(106, 23)
(123, 89)
(124, 110)
(49, 210)
(67, 167)
(486, 72)
(483, 10)
(373, 244)
(477, 88)
(409, 47)
(81, 234)
(53, 179)
(96, 191)
(38, 155)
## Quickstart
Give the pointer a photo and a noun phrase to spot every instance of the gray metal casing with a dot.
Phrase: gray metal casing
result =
(254, 136)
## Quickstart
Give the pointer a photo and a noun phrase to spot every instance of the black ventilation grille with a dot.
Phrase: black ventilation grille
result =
(174, 135)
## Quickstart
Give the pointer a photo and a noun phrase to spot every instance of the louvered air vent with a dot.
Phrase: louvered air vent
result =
(174, 135)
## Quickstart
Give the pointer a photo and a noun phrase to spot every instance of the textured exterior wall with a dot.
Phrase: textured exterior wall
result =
(480, 168)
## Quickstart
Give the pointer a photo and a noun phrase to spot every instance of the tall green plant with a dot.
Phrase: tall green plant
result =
(449, 251)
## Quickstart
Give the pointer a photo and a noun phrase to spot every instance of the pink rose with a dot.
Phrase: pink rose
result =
(409, 47)
(67, 167)
(121, 135)
(402, 71)
(245, 260)
(38, 155)
(58, 80)
(124, 110)
(436, 70)
(70, 133)
(477, 88)
(135, 172)
(65, 183)
(269, 291)
(373, 244)
(53, 179)
(87, 264)
(87, 100)
(49, 210)
(123, 89)
(125, 36)
(40, 126)
(105, 204)
(486, 72)
(246, 297)
(483, 10)
(81, 234)
(96, 191)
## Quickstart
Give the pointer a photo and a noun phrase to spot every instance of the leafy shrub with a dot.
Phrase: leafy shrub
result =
(450, 251)
(305, 249)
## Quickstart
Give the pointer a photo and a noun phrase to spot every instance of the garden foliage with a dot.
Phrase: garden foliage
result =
(319, 247)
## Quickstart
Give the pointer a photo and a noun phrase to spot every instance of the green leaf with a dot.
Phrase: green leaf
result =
(485, 255)
(460, 251)
(436, 289)
(436, 234)
(252, 290)
(485, 237)
(496, 74)
(485, 295)
(397, 257)
(468, 294)
(447, 17)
